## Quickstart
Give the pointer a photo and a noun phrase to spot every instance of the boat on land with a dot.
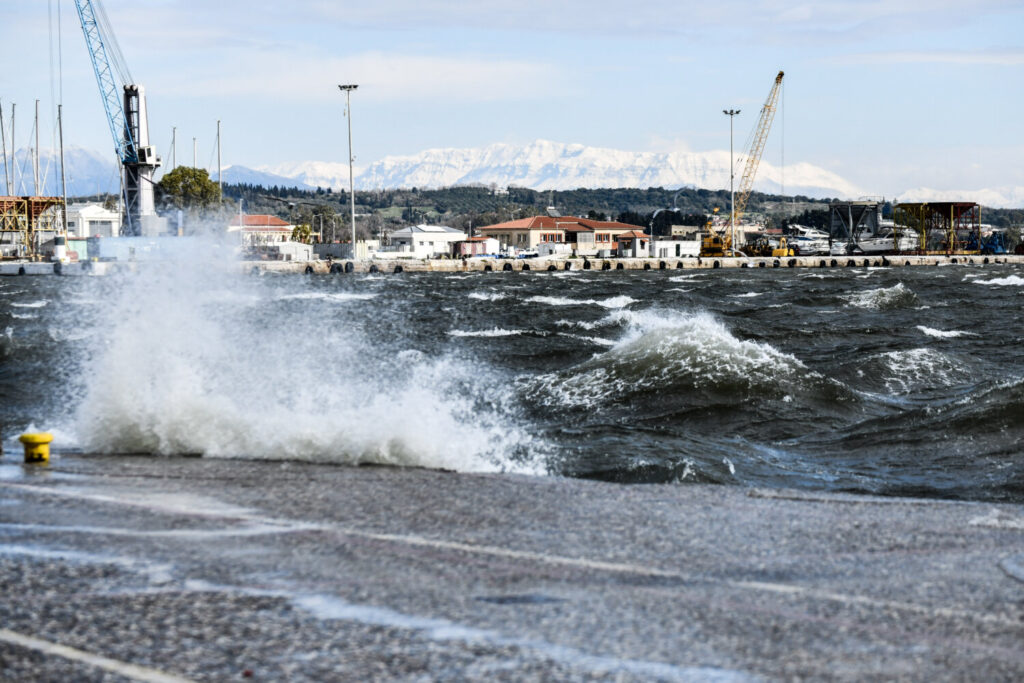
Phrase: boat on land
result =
(808, 241)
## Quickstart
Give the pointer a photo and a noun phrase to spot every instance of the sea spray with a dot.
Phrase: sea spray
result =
(192, 356)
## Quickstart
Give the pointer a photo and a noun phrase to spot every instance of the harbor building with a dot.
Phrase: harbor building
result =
(424, 241)
(92, 220)
(583, 235)
(260, 229)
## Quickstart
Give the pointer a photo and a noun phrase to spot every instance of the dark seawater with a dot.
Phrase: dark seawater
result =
(904, 381)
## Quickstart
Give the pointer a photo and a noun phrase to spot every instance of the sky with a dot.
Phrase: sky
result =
(889, 95)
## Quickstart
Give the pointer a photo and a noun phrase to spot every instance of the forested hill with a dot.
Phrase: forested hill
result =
(463, 206)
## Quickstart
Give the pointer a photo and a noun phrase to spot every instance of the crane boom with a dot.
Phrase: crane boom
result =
(758, 139)
(124, 145)
(126, 116)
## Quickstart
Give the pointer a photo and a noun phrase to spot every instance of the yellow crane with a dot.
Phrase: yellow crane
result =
(758, 139)
(719, 243)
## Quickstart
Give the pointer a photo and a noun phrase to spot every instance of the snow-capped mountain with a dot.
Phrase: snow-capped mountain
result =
(545, 165)
(312, 174)
(87, 172)
(540, 165)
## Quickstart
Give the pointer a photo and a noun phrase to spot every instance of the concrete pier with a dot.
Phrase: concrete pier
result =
(176, 569)
(604, 265)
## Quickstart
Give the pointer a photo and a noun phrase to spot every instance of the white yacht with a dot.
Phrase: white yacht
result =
(810, 241)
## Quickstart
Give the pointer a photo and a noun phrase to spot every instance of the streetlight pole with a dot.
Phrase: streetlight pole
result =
(351, 182)
(732, 175)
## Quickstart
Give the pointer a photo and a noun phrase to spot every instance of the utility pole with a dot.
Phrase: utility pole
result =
(193, 152)
(174, 147)
(731, 113)
(351, 181)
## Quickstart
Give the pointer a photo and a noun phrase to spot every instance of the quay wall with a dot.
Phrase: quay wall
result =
(555, 264)
(14, 268)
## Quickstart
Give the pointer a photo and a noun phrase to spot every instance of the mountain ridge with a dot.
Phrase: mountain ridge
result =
(540, 165)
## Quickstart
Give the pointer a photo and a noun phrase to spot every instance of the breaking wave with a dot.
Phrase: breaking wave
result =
(674, 353)
(1011, 280)
(885, 298)
(916, 370)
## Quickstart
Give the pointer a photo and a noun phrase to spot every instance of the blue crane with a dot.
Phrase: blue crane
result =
(126, 115)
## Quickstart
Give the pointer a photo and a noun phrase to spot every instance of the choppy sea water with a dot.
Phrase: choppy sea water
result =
(902, 381)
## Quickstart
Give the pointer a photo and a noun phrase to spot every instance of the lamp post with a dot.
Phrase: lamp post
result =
(732, 174)
(351, 182)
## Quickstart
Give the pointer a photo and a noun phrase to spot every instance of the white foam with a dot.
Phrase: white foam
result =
(31, 304)
(612, 302)
(495, 332)
(328, 296)
(1012, 280)
(748, 295)
(487, 296)
(921, 368)
(593, 340)
(945, 334)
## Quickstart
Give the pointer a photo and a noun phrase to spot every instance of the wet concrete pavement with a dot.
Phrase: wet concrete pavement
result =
(169, 569)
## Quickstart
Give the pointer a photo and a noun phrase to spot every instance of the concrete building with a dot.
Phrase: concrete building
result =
(476, 246)
(424, 241)
(585, 235)
(92, 220)
(633, 244)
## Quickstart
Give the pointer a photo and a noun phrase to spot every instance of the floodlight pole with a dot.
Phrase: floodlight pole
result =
(732, 174)
(351, 181)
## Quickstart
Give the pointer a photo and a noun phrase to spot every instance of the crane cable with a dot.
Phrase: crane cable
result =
(114, 49)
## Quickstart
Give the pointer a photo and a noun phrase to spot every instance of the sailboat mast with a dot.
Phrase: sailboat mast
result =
(63, 179)
(35, 157)
(220, 188)
(3, 142)
(14, 152)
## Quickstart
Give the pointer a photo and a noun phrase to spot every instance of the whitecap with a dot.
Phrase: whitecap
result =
(885, 297)
(1012, 280)
(496, 332)
(487, 296)
(945, 334)
(31, 304)
(328, 296)
(612, 302)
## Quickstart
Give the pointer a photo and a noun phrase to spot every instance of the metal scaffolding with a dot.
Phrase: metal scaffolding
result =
(23, 220)
(941, 227)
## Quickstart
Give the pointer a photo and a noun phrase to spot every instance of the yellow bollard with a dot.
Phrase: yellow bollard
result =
(37, 446)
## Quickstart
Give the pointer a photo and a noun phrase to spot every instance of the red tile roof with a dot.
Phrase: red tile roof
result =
(568, 223)
(260, 220)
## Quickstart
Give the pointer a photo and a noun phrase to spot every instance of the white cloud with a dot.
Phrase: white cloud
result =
(381, 76)
(980, 57)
